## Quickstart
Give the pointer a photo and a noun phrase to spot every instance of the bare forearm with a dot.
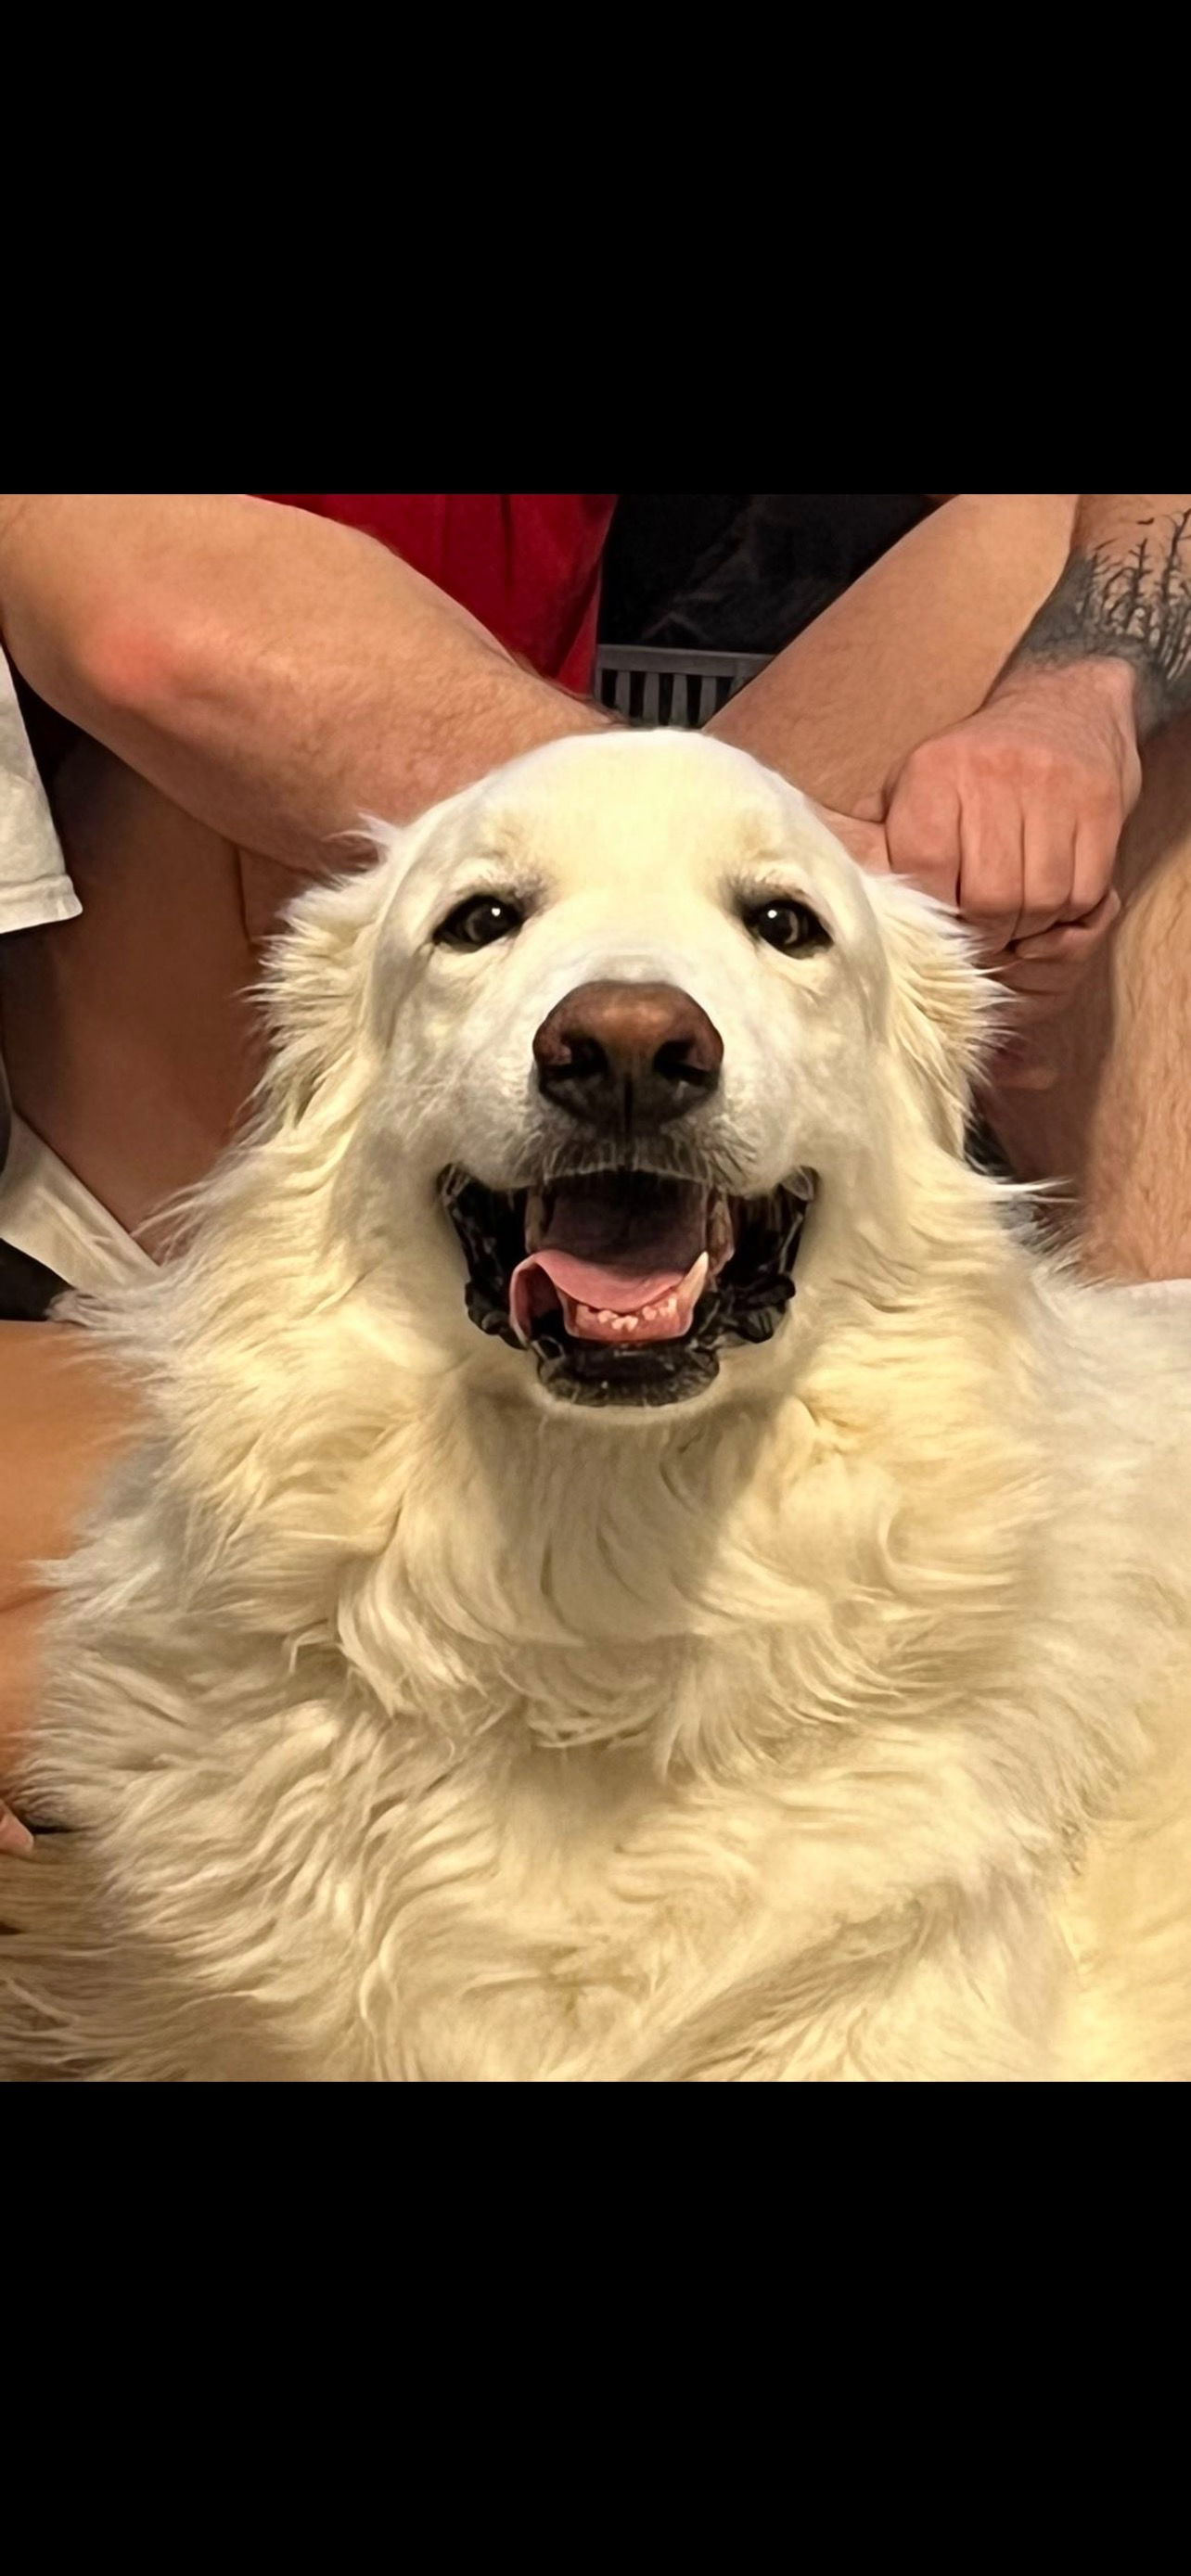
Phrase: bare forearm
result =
(274, 674)
(1124, 597)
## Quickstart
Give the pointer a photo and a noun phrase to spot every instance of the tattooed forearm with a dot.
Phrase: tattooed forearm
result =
(1128, 602)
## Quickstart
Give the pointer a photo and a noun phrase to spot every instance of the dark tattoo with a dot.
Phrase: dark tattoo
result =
(1134, 608)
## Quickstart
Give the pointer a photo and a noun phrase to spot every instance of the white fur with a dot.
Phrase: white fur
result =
(832, 1725)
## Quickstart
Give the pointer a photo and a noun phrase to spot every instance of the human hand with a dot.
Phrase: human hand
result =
(1040, 972)
(863, 833)
(1015, 815)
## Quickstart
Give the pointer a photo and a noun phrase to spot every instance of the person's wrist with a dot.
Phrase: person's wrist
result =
(1107, 682)
(1096, 705)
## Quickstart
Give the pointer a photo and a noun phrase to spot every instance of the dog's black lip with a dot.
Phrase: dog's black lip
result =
(744, 1304)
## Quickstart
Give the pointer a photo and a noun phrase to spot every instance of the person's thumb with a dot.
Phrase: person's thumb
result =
(863, 836)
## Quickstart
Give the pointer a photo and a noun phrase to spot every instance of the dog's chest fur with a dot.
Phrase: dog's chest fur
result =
(564, 1769)
(759, 1758)
(561, 1912)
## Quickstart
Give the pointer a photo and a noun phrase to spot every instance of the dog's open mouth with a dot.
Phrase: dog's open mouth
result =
(626, 1285)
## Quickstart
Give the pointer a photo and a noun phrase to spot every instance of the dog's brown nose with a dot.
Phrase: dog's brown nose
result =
(627, 1055)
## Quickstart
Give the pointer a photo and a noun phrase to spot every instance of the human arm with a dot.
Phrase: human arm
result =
(274, 674)
(1016, 812)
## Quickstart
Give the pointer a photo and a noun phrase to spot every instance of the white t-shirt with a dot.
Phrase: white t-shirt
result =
(44, 1210)
(34, 884)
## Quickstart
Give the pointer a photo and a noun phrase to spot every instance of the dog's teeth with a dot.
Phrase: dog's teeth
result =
(721, 1238)
(535, 1220)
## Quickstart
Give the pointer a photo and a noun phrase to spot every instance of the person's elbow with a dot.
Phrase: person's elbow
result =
(146, 664)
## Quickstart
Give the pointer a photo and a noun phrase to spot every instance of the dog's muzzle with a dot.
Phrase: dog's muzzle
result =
(627, 1267)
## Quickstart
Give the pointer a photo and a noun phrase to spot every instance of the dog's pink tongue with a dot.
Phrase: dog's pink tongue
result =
(601, 1305)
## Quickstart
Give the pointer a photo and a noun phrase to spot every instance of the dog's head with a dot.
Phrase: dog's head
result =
(622, 1050)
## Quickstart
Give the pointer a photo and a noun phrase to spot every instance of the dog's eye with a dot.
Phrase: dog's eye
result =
(479, 920)
(791, 927)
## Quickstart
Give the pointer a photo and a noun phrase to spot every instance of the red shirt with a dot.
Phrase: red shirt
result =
(527, 564)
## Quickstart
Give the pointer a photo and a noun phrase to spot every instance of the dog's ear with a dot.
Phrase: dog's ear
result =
(944, 1013)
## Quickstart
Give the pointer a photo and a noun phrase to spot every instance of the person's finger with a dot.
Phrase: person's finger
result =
(1041, 975)
(14, 1836)
(992, 866)
(1042, 986)
(1097, 840)
(1072, 939)
(922, 829)
(865, 841)
(1048, 874)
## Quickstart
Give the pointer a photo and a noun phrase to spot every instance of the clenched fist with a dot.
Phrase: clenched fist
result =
(1015, 816)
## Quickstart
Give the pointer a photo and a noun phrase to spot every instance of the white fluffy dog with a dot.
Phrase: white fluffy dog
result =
(637, 1569)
